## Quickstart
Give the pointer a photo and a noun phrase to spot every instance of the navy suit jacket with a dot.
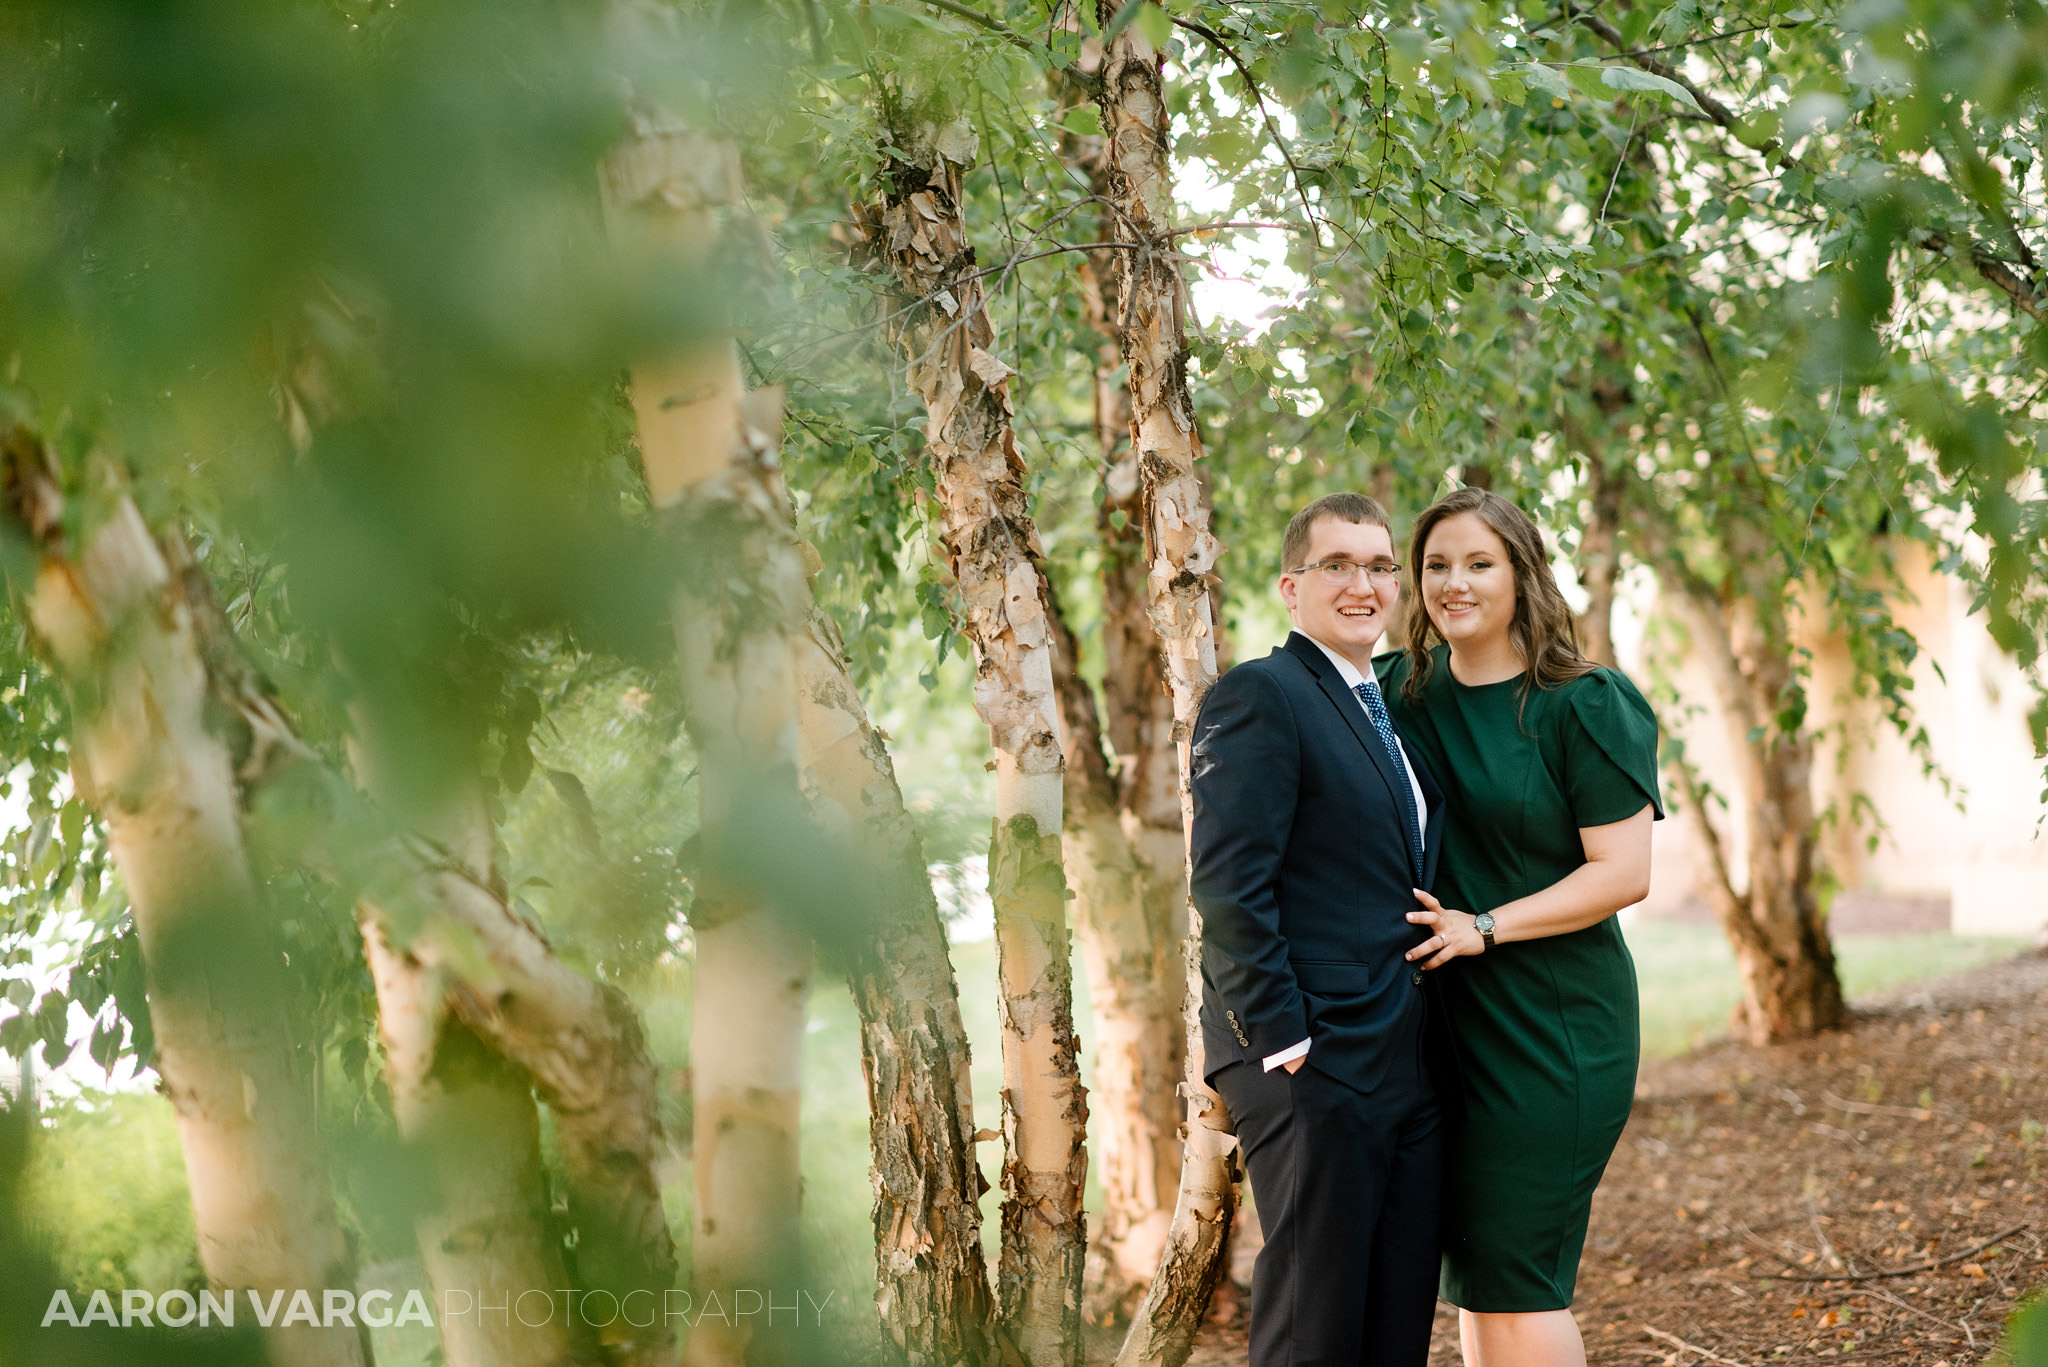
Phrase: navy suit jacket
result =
(1301, 871)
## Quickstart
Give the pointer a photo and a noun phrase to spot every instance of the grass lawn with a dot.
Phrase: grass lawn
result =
(1686, 973)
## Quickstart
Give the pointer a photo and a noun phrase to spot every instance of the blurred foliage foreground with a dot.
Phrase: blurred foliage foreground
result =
(324, 287)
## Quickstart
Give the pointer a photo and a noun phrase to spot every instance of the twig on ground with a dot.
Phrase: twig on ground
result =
(1684, 1347)
(1914, 1309)
(1907, 1271)
(1868, 1108)
(1828, 1252)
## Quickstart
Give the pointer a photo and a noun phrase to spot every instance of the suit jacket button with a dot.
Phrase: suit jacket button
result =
(1415, 978)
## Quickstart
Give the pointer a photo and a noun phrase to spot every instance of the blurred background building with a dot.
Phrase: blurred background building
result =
(1949, 841)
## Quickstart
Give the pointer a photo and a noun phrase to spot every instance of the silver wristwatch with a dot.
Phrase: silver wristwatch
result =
(1483, 923)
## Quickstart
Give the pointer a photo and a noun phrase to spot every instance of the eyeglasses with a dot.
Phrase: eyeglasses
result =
(1339, 573)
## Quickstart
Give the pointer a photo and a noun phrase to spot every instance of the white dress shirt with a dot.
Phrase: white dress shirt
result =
(1352, 679)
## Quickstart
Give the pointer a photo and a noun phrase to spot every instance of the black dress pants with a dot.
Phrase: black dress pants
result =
(1348, 1185)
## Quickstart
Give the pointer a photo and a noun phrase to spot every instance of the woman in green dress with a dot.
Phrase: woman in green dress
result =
(1548, 766)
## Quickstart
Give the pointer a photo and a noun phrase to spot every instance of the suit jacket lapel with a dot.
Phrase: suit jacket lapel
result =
(1353, 711)
(1433, 816)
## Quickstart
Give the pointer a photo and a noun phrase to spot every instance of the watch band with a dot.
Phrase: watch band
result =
(1483, 923)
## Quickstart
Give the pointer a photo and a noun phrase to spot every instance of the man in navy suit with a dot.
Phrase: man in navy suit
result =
(1312, 828)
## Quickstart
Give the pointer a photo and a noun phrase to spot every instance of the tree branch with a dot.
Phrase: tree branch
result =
(995, 26)
(1994, 270)
(1656, 66)
(1217, 41)
(1997, 210)
(1717, 37)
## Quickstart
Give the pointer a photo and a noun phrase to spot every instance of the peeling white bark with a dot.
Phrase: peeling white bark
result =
(931, 1279)
(1152, 309)
(949, 346)
(708, 451)
(112, 618)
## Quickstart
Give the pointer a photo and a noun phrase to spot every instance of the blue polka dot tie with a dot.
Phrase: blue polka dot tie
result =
(1376, 708)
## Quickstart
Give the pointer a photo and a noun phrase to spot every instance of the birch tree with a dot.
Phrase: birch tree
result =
(707, 448)
(106, 606)
(471, 1117)
(948, 342)
(464, 1110)
(1126, 946)
(932, 1284)
(478, 1008)
(469, 1113)
(1126, 857)
(1181, 554)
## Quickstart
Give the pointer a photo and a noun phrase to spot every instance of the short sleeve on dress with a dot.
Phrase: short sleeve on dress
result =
(1610, 750)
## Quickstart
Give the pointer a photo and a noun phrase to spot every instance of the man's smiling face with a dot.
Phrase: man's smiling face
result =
(1349, 617)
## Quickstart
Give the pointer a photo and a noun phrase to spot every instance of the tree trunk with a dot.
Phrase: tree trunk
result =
(1126, 859)
(931, 1278)
(145, 754)
(1790, 986)
(707, 448)
(1134, 994)
(468, 1115)
(1611, 389)
(579, 1042)
(1599, 562)
(1181, 555)
(463, 1089)
(947, 339)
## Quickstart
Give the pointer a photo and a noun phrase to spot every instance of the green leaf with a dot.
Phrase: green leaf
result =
(1125, 15)
(53, 1017)
(517, 766)
(570, 789)
(2026, 1338)
(105, 1048)
(354, 1054)
(1630, 78)
(1155, 25)
(1539, 77)
(88, 989)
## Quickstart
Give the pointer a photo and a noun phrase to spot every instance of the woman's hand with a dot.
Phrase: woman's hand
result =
(1456, 932)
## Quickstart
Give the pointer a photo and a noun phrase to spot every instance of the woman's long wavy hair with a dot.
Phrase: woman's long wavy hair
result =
(1543, 628)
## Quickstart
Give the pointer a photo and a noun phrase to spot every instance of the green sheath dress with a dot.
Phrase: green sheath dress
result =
(1544, 1032)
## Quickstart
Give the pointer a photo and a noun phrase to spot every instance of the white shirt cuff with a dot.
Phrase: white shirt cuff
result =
(1286, 1056)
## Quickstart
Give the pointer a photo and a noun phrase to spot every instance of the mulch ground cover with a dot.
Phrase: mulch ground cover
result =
(1877, 1195)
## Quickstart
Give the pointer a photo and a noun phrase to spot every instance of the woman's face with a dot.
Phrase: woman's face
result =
(1468, 582)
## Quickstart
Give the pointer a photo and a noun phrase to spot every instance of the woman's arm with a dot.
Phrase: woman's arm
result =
(1616, 874)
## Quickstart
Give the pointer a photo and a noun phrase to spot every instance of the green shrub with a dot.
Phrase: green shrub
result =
(106, 1195)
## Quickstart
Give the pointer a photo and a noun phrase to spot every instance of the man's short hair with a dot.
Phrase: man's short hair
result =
(1348, 507)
